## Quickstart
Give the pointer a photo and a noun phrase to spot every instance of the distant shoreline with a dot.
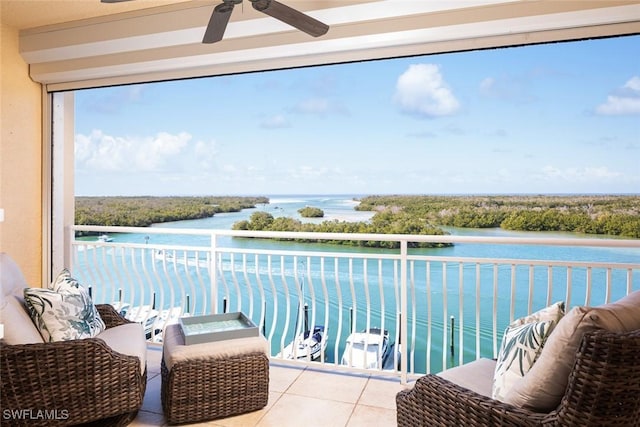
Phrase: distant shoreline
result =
(598, 214)
(615, 215)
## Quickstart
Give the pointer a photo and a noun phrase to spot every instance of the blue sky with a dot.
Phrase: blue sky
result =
(553, 118)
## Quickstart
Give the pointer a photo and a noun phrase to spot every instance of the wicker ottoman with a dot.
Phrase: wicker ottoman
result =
(212, 380)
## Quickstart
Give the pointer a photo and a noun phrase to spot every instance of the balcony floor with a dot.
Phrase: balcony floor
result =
(297, 396)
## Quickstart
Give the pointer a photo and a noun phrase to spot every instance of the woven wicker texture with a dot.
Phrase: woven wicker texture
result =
(603, 390)
(198, 390)
(78, 381)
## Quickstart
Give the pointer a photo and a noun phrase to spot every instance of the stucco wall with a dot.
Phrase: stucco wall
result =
(20, 159)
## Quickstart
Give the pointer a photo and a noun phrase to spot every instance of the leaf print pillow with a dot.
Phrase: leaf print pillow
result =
(64, 312)
(521, 346)
(553, 312)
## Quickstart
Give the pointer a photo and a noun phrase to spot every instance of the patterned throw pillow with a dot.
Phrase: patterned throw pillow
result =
(521, 346)
(64, 312)
(543, 387)
(554, 312)
(65, 283)
(522, 343)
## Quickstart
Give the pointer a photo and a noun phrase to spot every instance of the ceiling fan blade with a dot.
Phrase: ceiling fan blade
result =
(291, 16)
(218, 22)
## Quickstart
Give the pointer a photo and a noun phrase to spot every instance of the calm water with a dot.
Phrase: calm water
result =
(341, 208)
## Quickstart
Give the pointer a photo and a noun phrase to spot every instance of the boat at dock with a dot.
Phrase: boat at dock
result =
(369, 349)
(144, 314)
(154, 321)
(306, 345)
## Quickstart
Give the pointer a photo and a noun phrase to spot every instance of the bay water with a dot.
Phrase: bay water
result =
(341, 208)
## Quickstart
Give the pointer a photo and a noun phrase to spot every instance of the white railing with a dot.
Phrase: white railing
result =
(439, 310)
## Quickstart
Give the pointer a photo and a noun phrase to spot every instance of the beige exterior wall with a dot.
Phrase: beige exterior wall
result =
(20, 159)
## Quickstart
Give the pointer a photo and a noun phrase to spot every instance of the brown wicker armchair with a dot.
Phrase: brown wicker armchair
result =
(70, 382)
(603, 390)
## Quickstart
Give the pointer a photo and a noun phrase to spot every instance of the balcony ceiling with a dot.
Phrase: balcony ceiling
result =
(71, 44)
(23, 14)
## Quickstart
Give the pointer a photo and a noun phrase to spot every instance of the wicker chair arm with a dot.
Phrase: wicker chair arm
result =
(436, 401)
(110, 316)
(604, 386)
(81, 380)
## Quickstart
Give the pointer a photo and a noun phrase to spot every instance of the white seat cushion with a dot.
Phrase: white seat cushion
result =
(127, 339)
(18, 326)
(476, 376)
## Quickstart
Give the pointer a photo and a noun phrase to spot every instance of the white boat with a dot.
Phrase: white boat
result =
(306, 344)
(141, 314)
(368, 349)
(104, 238)
(164, 318)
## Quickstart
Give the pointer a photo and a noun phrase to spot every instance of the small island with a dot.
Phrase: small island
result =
(311, 212)
(381, 223)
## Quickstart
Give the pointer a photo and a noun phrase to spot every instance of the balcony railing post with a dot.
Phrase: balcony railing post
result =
(403, 309)
(213, 273)
(70, 250)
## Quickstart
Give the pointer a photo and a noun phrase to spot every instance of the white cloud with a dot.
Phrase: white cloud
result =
(313, 106)
(633, 84)
(487, 85)
(422, 134)
(100, 152)
(154, 153)
(514, 89)
(304, 172)
(135, 92)
(585, 174)
(206, 154)
(115, 99)
(319, 106)
(626, 100)
(422, 90)
(275, 122)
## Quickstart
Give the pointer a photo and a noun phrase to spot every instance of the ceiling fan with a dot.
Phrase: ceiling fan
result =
(222, 13)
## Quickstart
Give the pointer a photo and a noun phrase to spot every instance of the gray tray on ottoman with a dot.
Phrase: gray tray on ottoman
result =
(217, 327)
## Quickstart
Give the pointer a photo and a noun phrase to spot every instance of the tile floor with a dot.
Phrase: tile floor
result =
(297, 397)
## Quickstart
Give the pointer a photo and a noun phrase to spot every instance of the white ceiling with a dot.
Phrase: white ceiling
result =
(157, 39)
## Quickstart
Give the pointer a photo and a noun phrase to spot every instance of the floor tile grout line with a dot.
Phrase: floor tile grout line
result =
(367, 377)
(356, 403)
(266, 411)
(363, 390)
(286, 390)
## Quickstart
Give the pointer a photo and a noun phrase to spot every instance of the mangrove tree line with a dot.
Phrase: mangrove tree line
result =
(591, 214)
(381, 223)
(144, 211)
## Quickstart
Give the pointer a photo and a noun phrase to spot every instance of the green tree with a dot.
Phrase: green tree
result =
(311, 212)
(260, 221)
